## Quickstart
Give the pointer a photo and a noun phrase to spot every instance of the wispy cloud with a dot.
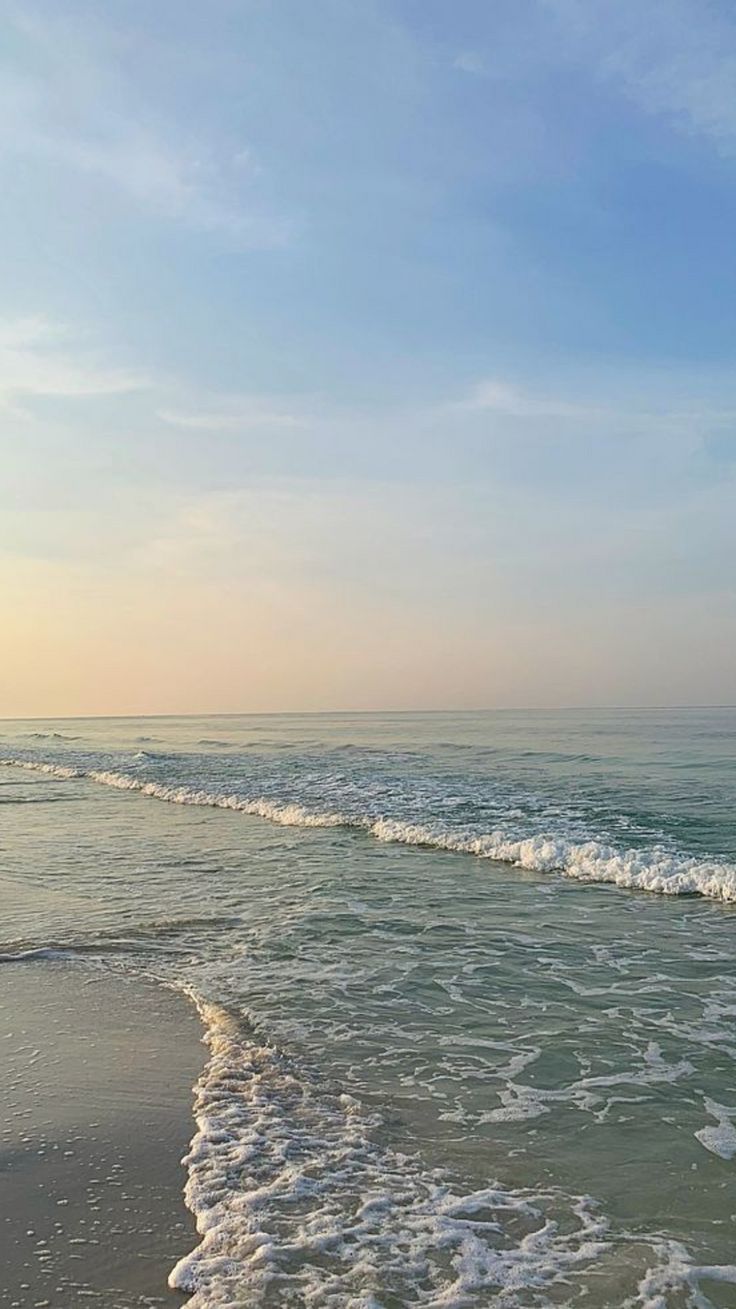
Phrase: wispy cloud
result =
(233, 413)
(39, 357)
(470, 61)
(676, 58)
(499, 397)
(653, 411)
(75, 108)
(155, 175)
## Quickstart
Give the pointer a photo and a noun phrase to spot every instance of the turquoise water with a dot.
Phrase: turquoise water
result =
(468, 983)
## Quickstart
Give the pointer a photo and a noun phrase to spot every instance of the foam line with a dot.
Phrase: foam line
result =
(295, 1198)
(654, 869)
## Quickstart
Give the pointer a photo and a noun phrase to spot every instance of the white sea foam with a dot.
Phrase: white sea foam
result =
(675, 1274)
(721, 1139)
(519, 1101)
(290, 815)
(53, 770)
(297, 1202)
(654, 869)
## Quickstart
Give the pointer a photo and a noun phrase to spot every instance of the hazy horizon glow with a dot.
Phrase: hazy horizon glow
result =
(367, 356)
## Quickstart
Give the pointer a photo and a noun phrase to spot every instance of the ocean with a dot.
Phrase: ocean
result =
(467, 981)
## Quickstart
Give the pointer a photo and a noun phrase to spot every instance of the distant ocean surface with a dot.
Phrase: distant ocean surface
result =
(468, 982)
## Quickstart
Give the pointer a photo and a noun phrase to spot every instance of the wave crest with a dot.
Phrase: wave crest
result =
(655, 869)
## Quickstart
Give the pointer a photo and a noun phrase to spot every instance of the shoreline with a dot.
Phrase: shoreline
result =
(96, 1077)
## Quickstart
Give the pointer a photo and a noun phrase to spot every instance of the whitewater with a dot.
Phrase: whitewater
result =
(659, 868)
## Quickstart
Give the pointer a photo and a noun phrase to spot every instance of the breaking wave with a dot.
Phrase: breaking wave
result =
(655, 868)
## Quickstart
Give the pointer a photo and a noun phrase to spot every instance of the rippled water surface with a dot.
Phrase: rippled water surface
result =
(468, 982)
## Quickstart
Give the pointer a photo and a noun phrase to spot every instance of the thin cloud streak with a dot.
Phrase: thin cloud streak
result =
(60, 118)
(38, 359)
(231, 414)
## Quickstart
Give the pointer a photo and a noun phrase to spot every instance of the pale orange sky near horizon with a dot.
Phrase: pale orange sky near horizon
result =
(304, 593)
(78, 645)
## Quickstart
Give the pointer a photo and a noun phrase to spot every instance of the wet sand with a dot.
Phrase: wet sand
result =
(96, 1073)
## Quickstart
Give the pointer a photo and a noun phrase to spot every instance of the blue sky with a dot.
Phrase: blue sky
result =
(363, 354)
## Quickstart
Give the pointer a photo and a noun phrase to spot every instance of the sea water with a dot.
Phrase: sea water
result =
(467, 982)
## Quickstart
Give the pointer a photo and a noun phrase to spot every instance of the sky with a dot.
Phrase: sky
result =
(366, 354)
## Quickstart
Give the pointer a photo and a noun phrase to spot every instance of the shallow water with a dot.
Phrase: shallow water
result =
(438, 1077)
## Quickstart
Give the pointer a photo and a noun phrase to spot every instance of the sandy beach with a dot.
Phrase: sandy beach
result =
(96, 1073)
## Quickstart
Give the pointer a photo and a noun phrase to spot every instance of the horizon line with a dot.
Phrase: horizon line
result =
(355, 713)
